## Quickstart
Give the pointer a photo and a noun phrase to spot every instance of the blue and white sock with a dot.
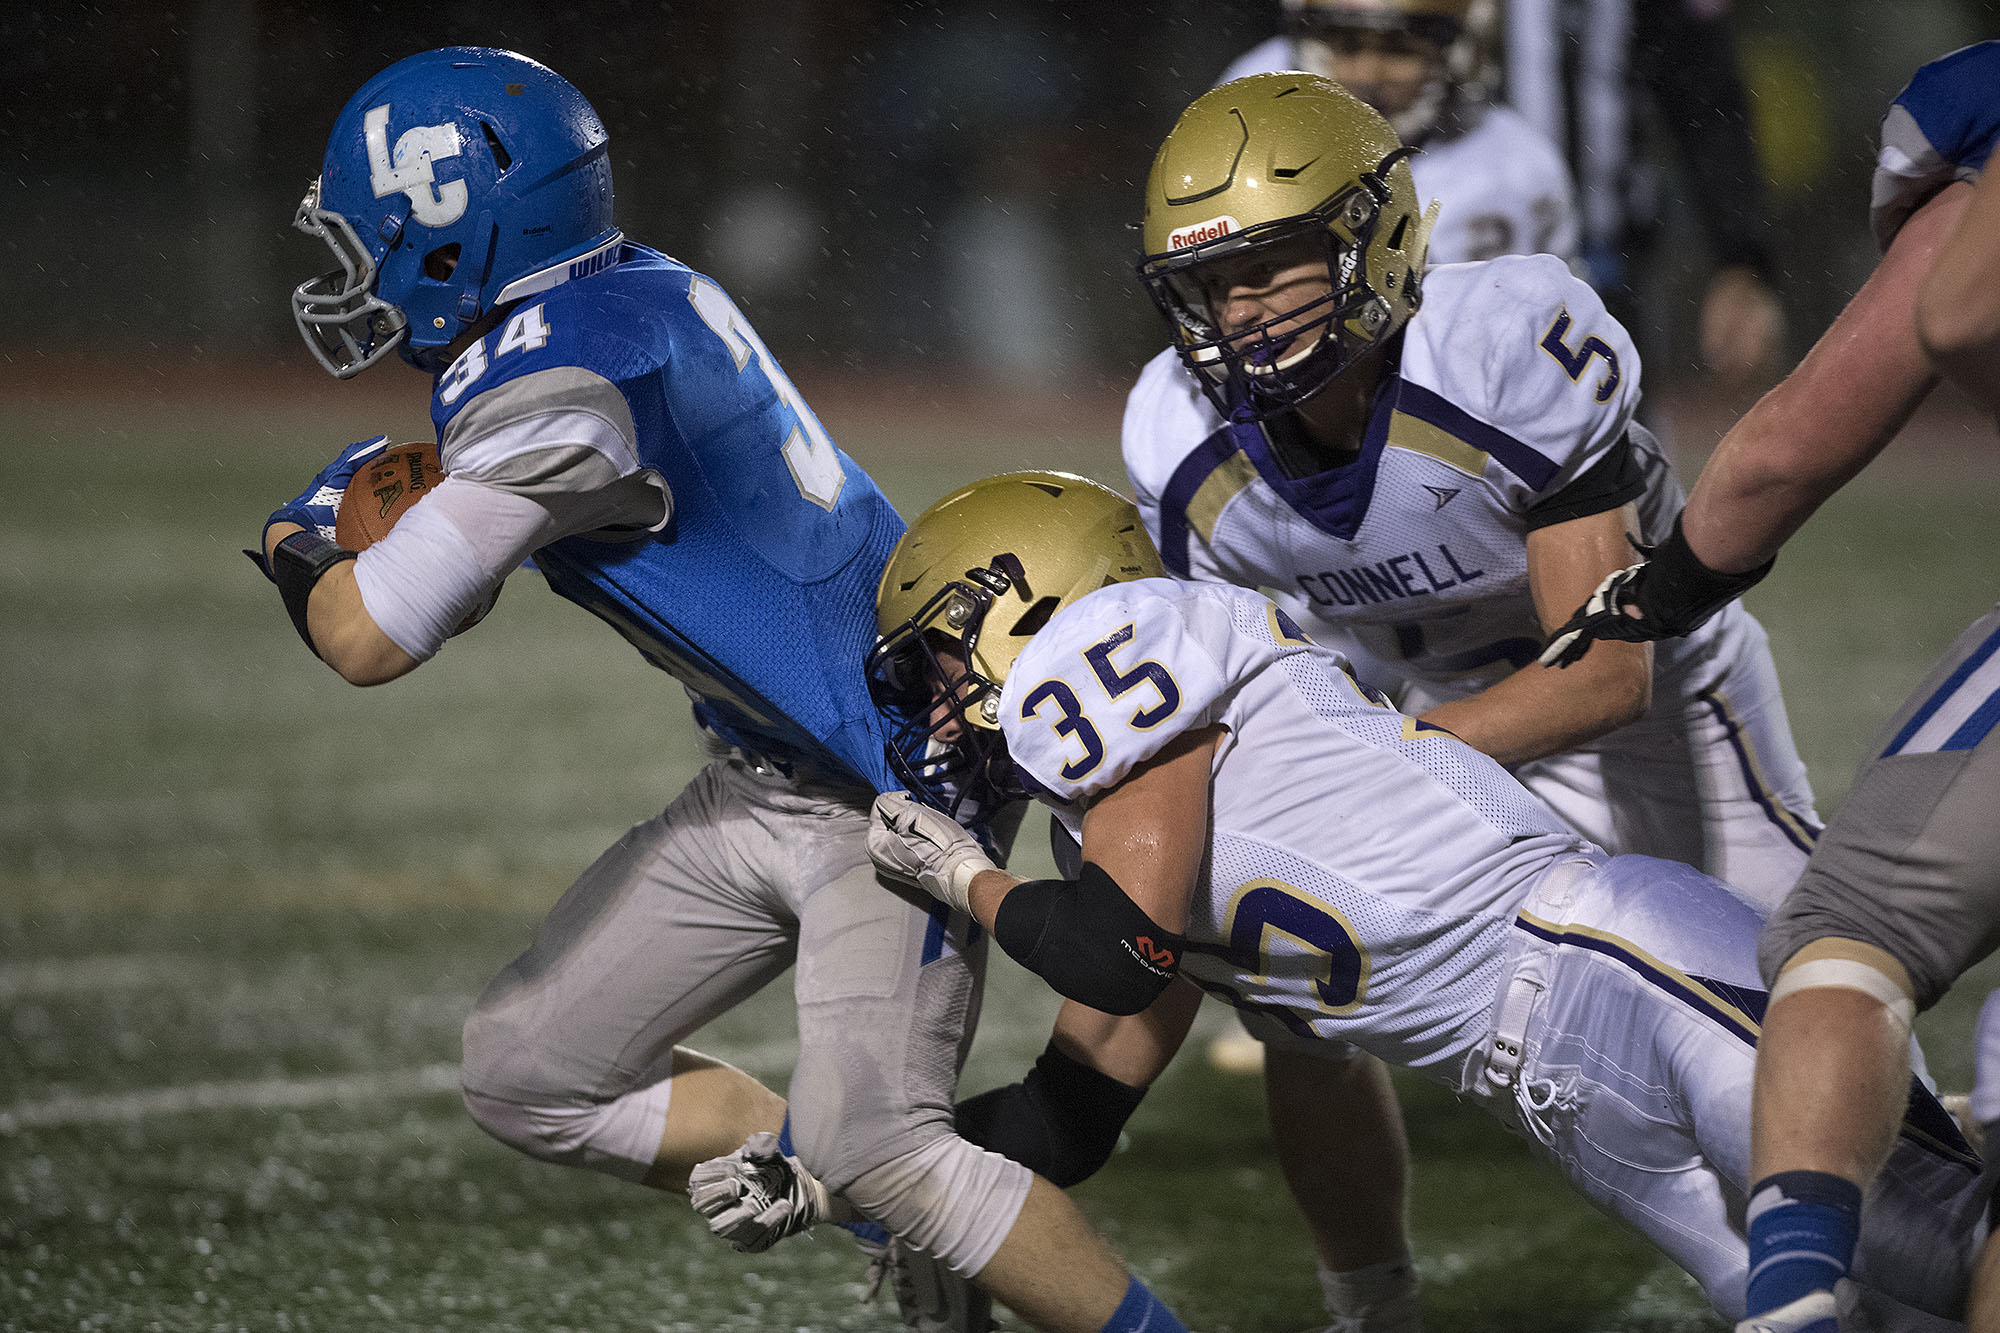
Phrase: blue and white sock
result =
(1803, 1225)
(1142, 1312)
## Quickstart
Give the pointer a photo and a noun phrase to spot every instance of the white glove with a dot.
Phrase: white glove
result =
(756, 1196)
(918, 845)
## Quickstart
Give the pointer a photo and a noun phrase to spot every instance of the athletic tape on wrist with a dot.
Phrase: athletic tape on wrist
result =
(958, 884)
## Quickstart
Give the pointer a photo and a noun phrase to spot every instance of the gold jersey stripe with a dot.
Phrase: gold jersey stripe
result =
(1421, 437)
(1228, 481)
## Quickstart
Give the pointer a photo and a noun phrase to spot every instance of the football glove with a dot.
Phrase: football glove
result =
(314, 508)
(756, 1196)
(1671, 591)
(917, 845)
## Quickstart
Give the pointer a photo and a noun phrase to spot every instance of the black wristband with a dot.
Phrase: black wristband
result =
(298, 563)
(1679, 593)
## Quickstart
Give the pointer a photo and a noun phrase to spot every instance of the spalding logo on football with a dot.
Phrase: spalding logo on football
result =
(382, 492)
(392, 481)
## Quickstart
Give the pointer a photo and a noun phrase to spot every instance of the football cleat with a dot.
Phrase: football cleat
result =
(758, 1195)
(1811, 1313)
(929, 1296)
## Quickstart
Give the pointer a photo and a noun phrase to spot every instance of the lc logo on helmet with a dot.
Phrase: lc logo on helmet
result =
(408, 169)
(1212, 230)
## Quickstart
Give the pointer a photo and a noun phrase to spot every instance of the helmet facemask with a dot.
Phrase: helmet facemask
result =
(1272, 366)
(945, 743)
(347, 327)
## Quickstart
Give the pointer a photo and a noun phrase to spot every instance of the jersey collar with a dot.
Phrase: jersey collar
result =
(1334, 501)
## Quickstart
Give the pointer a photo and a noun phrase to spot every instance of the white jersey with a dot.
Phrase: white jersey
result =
(1364, 868)
(1511, 383)
(1375, 881)
(1501, 185)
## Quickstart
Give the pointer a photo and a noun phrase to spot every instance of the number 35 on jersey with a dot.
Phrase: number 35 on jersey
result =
(1149, 683)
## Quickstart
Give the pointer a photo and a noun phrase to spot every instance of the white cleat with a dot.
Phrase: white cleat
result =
(1814, 1313)
(929, 1296)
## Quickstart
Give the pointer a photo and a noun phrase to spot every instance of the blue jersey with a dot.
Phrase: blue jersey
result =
(1940, 129)
(758, 593)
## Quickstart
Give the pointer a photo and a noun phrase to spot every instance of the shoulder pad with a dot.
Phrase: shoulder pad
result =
(1517, 359)
(1109, 681)
(1166, 416)
(1940, 129)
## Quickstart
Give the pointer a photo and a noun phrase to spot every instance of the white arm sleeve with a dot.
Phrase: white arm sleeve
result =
(421, 581)
(531, 461)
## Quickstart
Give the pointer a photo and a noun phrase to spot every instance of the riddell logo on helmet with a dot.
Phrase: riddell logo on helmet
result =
(1212, 230)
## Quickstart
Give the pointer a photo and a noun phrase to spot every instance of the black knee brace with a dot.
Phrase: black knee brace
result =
(1061, 1121)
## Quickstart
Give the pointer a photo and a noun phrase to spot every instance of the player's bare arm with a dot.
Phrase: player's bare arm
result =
(1808, 436)
(1958, 305)
(1537, 711)
(344, 635)
(1803, 441)
(1148, 833)
(1134, 1048)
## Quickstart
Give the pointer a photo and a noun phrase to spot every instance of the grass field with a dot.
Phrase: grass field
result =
(243, 909)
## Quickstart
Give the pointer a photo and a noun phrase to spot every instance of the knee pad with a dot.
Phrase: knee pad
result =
(948, 1198)
(620, 1137)
(1832, 962)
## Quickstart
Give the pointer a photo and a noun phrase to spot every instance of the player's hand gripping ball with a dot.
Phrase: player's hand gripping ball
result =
(382, 491)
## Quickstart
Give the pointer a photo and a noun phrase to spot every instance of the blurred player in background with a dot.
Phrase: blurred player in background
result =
(1600, 79)
(610, 412)
(1903, 893)
(1256, 823)
(1502, 186)
(1428, 466)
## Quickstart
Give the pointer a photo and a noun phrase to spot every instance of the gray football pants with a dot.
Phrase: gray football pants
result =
(569, 1051)
(1911, 864)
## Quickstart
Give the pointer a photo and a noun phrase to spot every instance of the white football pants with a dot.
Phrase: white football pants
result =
(569, 1051)
(1636, 1075)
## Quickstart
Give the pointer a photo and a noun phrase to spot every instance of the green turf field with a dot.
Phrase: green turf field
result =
(243, 909)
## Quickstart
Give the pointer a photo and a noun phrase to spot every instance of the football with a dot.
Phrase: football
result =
(392, 481)
(382, 492)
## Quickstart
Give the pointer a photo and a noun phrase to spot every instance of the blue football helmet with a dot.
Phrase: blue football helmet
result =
(455, 181)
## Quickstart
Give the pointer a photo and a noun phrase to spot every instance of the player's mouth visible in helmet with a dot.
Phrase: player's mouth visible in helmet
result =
(1276, 298)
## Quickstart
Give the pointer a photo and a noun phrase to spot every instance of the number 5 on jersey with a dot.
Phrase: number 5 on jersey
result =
(1072, 723)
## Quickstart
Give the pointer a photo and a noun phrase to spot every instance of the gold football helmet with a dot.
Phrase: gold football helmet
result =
(1279, 165)
(1446, 38)
(968, 585)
